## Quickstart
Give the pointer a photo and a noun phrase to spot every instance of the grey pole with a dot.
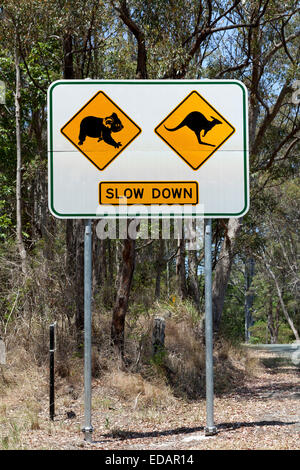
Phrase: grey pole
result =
(88, 428)
(52, 372)
(210, 428)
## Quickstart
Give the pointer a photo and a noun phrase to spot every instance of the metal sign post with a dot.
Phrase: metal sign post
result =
(210, 427)
(52, 371)
(88, 428)
(148, 148)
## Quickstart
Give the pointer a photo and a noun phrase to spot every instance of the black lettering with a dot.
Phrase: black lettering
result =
(138, 192)
(109, 193)
(164, 191)
(176, 192)
(188, 192)
(153, 194)
(128, 193)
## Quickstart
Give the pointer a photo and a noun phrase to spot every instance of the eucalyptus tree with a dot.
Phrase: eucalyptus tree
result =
(278, 255)
(15, 29)
(265, 58)
(255, 41)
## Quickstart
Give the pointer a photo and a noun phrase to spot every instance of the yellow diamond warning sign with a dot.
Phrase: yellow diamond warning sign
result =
(195, 130)
(100, 130)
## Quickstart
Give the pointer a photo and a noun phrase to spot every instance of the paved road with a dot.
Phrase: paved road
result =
(291, 351)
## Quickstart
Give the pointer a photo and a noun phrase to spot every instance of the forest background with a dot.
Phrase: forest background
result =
(255, 261)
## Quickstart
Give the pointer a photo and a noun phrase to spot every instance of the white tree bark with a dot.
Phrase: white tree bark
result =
(223, 269)
(284, 309)
(20, 242)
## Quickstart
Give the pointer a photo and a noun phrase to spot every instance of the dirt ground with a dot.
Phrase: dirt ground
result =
(261, 413)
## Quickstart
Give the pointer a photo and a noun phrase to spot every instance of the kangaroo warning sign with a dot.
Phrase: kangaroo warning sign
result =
(148, 148)
(186, 127)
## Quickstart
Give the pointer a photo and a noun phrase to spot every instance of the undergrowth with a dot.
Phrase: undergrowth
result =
(147, 384)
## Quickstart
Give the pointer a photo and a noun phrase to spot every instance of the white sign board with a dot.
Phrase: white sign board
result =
(148, 148)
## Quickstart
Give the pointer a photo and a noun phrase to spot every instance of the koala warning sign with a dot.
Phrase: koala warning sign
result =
(100, 130)
(148, 149)
(195, 130)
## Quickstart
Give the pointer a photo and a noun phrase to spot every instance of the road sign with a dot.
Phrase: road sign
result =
(100, 139)
(186, 127)
(124, 148)
(150, 192)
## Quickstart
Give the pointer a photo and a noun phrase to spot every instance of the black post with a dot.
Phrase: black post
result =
(51, 351)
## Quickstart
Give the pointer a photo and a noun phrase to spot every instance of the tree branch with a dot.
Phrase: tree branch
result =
(281, 145)
(134, 28)
(269, 117)
(279, 46)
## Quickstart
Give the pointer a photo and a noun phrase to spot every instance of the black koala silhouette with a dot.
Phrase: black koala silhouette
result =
(100, 128)
(197, 123)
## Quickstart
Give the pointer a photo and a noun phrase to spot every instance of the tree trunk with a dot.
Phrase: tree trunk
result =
(74, 228)
(224, 264)
(68, 72)
(125, 274)
(42, 225)
(79, 277)
(273, 325)
(284, 309)
(180, 268)
(193, 280)
(159, 267)
(70, 247)
(134, 28)
(168, 280)
(110, 268)
(158, 335)
(20, 242)
(223, 269)
(99, 261)
(68, 56)
(249, 273)
(121, 303)
(157, 281)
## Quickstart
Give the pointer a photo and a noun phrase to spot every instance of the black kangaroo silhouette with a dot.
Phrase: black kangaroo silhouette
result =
(197, 123)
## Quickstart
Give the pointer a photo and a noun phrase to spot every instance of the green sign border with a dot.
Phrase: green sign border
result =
(137, 83)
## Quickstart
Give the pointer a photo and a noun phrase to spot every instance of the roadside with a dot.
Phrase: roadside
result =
(262, 412)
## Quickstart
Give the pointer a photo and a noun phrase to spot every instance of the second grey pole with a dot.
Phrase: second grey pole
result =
(88, 428)
(210, 428)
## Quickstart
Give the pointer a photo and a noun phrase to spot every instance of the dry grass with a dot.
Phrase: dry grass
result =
(154, 396)
(185, 359)
(165, 391)
(21, 392)
(132, 411)
(139, 392)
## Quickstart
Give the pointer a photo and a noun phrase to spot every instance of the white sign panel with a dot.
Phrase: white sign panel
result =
(148, 148)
